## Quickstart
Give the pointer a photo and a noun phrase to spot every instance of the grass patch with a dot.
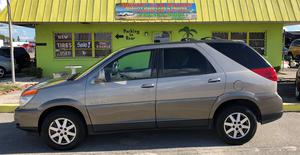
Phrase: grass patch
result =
(6, 88)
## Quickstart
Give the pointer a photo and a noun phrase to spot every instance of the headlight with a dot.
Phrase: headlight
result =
(27, 95)
(25, 99)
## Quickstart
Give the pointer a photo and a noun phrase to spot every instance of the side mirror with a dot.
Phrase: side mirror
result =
(101, 77)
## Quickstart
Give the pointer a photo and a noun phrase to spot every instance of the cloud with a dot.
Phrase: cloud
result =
(24, 33)
(2, 4)
(292, 28)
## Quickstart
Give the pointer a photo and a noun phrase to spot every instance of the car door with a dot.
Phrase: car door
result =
(127, 99)
(187, 87)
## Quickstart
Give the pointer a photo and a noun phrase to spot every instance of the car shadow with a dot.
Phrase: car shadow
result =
(17, 141)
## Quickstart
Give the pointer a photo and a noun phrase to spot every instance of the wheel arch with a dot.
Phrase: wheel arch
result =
(63, 104)
(238, 102)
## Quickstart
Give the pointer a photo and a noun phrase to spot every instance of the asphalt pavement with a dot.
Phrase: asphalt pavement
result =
(280, 137)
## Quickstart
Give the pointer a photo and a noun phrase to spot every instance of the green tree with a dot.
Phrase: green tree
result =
(188, 32)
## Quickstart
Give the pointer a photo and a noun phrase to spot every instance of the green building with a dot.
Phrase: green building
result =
(81, 32)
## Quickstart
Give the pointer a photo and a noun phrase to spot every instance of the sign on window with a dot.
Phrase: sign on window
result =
(63, 45)
(102, 44)
(83, 44)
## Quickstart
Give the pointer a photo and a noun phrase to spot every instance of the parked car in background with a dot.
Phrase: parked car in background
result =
(218, 84)
(21, 56)
(5, 66)
(294, 50)
(285, 53)
(297, 84)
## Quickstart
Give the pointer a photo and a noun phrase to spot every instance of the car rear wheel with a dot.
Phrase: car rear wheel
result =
(2, 72)
(63, 130)
(236, 125)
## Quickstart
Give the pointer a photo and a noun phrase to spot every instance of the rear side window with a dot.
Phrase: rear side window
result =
(241, 54)
(5, 53)
(183, 62)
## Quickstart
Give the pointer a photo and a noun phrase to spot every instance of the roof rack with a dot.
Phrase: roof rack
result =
(212, 38)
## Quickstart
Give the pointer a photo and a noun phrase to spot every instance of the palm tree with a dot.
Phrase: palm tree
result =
(188, 33)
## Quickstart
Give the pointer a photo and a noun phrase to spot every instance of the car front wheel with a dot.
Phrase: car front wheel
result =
(2, 72)
(63, 130)
(236, 125)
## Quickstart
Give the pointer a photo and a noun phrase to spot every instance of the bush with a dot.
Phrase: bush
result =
(277, 68)
(33, 71)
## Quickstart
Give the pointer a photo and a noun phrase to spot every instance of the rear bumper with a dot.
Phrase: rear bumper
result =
(27, 119)
(271, 108)
(270, 117)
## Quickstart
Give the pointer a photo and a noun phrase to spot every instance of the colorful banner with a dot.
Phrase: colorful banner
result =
(166, 11)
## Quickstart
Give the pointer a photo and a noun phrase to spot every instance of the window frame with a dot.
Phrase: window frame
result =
(161, 63)
(153, 63)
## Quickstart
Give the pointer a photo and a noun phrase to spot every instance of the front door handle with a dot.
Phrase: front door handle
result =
(147, 85)
(214, 80)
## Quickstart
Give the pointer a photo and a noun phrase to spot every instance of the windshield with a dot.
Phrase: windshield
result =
(92, 67)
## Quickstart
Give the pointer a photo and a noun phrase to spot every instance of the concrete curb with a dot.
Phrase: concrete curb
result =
(7, 108)
(287, 107)
(291, 107)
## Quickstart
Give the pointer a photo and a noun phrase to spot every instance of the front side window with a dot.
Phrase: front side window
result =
(184, 61)
(130, 67)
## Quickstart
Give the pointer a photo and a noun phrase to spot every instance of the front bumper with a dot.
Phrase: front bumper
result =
(27, 119)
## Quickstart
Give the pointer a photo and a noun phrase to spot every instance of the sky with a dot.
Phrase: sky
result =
(28, 34)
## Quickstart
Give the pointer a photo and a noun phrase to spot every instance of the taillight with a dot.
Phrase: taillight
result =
(268, 73)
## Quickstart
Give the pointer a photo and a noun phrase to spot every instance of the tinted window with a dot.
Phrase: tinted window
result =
(130, 67)
(241, 53)
(5, 53)
(296, 43)
(185, 61)
(17, 52)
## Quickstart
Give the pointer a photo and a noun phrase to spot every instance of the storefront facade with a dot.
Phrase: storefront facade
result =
(69, 38)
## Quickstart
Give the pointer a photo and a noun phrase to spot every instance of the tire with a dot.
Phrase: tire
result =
(2, 72)
(76, 134)
(234, 136)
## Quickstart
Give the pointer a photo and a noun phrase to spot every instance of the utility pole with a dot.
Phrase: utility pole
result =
(11, 43)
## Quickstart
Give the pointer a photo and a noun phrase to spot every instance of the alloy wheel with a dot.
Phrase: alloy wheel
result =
(237, 125)
(62, 131)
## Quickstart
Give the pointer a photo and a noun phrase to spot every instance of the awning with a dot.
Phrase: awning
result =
(208, 11)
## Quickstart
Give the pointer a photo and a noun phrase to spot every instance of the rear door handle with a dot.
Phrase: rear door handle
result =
(147, 85)
(214, 80)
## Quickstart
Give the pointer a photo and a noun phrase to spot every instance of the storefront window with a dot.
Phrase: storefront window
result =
(239, 36)
(221, 35)
(102, 44)
(257, 41)
(63, 45)
(83, 44)
(97, 44)
(254, 39)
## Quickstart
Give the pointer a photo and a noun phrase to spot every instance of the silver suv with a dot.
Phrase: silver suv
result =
(217, 84)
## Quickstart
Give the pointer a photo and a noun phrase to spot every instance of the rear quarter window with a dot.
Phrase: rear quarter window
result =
(241, 54)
